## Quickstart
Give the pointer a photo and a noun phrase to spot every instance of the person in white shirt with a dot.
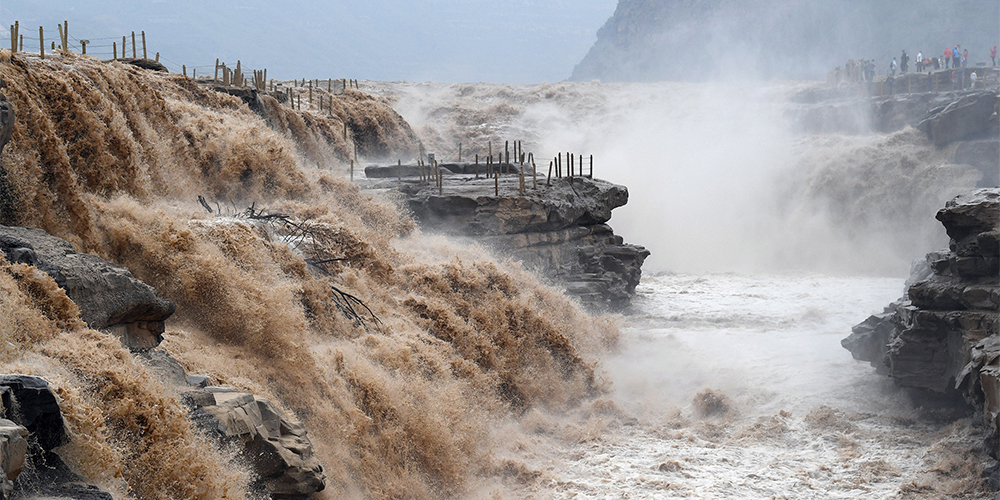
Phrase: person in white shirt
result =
(920, 61)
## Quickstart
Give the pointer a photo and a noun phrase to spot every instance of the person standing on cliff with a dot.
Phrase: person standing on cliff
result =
(993, 55)
(904, 62)
(892, 68)
(965, 58)
(956, 57)
(947, 57)
(920, 61)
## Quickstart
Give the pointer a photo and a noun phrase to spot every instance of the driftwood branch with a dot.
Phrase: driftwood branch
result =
(346, 302)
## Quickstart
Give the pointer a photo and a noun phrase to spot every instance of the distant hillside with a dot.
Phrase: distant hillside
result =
(708, 39)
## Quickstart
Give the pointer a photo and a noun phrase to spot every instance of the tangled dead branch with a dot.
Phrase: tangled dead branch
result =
(346, 302)
(294, 234)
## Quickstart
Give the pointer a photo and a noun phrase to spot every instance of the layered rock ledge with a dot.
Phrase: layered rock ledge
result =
(560, 230)
(108, 296)
(941, 337)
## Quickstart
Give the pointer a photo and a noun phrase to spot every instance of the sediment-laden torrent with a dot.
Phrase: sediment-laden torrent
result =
(316, 319)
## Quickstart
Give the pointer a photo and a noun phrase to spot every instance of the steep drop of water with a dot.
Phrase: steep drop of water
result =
(113, 158)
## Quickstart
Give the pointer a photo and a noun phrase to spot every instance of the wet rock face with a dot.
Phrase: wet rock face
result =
(943, 336)
(966, 118)
(31, 428)
(276, 446)
(559, 231)
(109, 297)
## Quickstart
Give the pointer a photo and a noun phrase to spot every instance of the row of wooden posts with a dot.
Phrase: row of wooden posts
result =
(325, 103)
(430, 170)
(17, 42)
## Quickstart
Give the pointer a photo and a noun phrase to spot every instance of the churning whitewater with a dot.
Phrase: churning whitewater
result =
(735, 386)
(422, 367)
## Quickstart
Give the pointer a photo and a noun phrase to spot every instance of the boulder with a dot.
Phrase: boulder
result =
(13, 453)
(28, 401)
(277, 447)
(108, 296)
(31, 428)
(966, 118)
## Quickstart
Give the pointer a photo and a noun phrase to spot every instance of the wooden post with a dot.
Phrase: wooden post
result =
(310, 93)
(144, 45)
(549, 181)
(83, 44)
(352, 170)
(194, 73)
(62, 38)
(572, 164)
(216, 77)
(65, 37)
(440, 179)
(114, 50)
(591, 167)
(238, 74)
(134, 55)
(477, 165)
(13, 36)
(534, 176)
(263, 80)
(41, 42)
(506, 150)
(123, 47)
(496, 185)
(20, 47)
(460, 152)
(329, 85)
(157, 57)
(184, 69)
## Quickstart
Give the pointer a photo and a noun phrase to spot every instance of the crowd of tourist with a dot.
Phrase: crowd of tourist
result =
(864, 70)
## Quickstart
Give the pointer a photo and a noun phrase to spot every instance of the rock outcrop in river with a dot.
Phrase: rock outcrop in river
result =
(942, 337)
(560, 231)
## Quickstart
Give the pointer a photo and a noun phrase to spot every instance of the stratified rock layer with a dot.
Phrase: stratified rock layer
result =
(273, 444)
(557, 230)
(108, 296)
(942, 336)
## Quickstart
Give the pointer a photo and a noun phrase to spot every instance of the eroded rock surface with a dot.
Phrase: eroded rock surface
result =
(965, 118)
(108, 296)
(560, 230)
(31, 429)
(942, 336)
(276, 446)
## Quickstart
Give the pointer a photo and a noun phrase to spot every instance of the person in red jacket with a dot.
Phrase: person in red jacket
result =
(947, 56)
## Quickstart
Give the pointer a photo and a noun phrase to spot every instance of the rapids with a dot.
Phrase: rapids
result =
(478, 380)
(735, 386)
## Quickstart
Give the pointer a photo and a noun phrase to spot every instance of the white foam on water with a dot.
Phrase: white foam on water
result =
(805, 420)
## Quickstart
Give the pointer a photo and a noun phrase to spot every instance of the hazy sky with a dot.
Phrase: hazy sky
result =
(442, 40)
